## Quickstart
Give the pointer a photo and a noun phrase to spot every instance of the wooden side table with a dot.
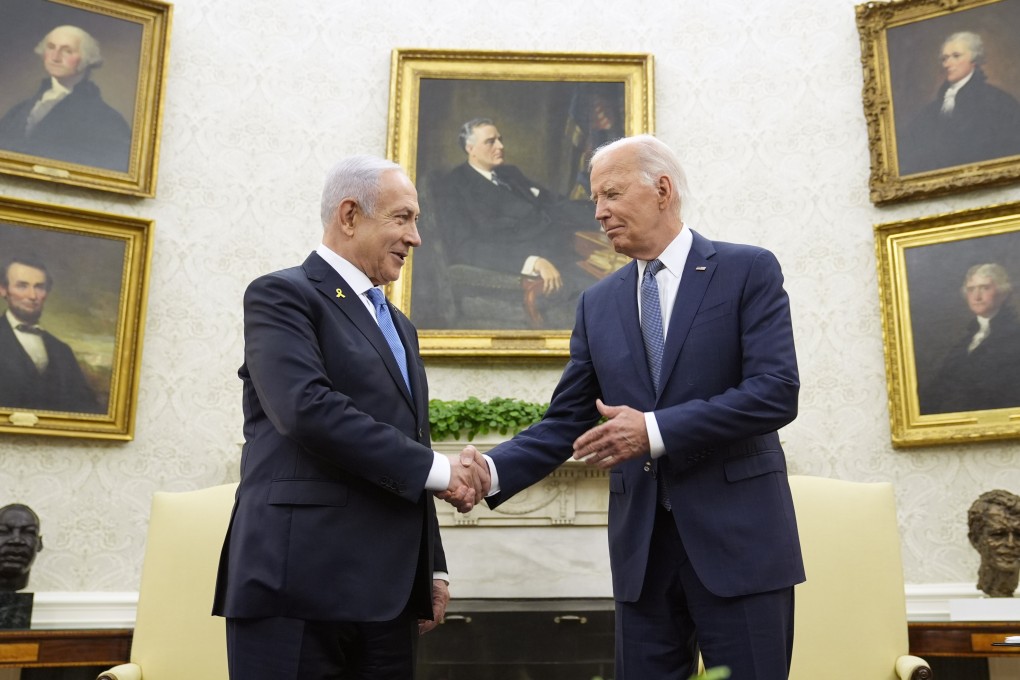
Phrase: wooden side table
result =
(962, 638)
(64, 647)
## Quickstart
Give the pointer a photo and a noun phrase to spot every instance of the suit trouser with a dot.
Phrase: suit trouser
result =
(280, 648)
(659, 635)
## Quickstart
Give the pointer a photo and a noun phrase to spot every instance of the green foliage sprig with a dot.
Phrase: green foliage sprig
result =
(472, 416)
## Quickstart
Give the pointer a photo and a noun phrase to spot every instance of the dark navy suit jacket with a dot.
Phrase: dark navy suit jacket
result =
(332, 521)
(729, 381)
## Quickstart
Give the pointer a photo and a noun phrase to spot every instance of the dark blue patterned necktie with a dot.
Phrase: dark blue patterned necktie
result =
(651, 330)
(651, 321)
(389, 331)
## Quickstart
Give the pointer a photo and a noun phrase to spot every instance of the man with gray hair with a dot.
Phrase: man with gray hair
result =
(968, 121)
(333, 563)
(982, 370)
(682, 369)
(67, 119)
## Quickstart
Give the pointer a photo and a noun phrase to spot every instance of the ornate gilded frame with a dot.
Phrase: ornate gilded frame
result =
(922, 264)
(134, 36)
(99, 266)
(900, 47)
(468, 74)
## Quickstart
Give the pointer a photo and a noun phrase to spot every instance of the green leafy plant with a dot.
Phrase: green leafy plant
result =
(472, 416)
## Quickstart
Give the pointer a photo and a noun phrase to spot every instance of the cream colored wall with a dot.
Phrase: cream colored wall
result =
(763, 101)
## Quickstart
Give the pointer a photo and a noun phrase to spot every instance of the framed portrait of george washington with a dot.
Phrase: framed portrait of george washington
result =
(951, 325)
(941, 95)
(81, 91)
(74, 286)
(498, 144)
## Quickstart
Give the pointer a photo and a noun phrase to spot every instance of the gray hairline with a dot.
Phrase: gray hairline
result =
(655, 159)
(357, 178)
(467, 130)
(89, 46)
(996, 272)
(973, 41)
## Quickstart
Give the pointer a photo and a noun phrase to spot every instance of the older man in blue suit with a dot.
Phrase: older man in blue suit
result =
(688, 353)
(333, 562)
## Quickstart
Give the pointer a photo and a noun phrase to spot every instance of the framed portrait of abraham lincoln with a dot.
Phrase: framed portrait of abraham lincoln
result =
(941, 95)
(497, 144)
(950, 288)
(73, 285)
(81, 91)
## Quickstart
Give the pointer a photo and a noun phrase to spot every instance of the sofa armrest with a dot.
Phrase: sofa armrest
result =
(125, 671)
(913, 668)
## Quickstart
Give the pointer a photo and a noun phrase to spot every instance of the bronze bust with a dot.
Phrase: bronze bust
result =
(993, 524)
(19, 542)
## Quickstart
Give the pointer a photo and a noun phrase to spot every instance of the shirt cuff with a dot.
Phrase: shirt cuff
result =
(441, 576)
(656, 447)
(439, 475)
(529, 266)
(493, 477)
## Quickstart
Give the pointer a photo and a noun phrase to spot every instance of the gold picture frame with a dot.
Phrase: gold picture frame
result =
(96, 269)
(105, 133)
(924, 139)
(936, 275)
(550, 108)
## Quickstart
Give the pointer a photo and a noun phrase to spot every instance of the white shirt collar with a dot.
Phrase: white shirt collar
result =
(675, 254)
(351, 274)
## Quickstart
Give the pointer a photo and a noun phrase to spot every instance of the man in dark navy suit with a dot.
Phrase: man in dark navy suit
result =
(495, 217)
(37, 371)
(333, 563)
(688, 354)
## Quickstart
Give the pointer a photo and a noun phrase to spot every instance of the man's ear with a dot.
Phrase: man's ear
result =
(346, 211)
(664, 189)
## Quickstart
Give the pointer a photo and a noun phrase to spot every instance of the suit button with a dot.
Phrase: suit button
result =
(421, 434)
(648, 467)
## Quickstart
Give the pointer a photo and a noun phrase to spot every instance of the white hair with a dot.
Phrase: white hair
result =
(654, 159)
(357, 178)
(90, 55)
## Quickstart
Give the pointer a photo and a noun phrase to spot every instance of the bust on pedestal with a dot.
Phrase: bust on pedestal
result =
(19, 542)
(993, 527)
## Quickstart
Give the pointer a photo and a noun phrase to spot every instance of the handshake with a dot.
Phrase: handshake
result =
(469, 480)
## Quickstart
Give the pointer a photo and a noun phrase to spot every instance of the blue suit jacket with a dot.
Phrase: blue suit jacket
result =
(332, 521)
(729, 381)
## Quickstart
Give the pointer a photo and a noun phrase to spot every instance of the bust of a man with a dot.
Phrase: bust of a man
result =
(19, 542)
(993, 524)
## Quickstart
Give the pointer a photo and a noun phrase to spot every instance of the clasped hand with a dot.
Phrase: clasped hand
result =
(469, 480)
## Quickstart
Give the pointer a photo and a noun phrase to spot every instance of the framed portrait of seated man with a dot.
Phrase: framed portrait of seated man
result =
(950, 288)
(73, 286)
(81, 91)
(497, 144)
(941, 95)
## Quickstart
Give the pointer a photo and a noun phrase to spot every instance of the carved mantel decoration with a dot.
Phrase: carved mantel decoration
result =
(574, 495)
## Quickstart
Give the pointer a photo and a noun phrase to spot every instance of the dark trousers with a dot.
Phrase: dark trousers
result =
(658, 637)
(281, 648)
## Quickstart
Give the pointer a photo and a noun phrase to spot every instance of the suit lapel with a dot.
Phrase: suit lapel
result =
(697, 274)
(328, 282)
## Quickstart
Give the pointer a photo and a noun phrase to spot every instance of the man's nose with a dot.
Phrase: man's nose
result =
(413, 237)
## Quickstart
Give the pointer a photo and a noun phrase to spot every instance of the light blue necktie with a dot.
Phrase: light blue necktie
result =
(389, 331)
(651, 330)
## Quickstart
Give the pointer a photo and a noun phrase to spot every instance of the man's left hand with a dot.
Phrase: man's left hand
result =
(440, 598)
(622, 437)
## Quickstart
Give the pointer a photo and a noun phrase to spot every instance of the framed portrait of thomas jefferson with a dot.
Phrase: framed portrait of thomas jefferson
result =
(950, 288)
(81, 91)
(941, 95)
(498, 144)
(73, 287)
